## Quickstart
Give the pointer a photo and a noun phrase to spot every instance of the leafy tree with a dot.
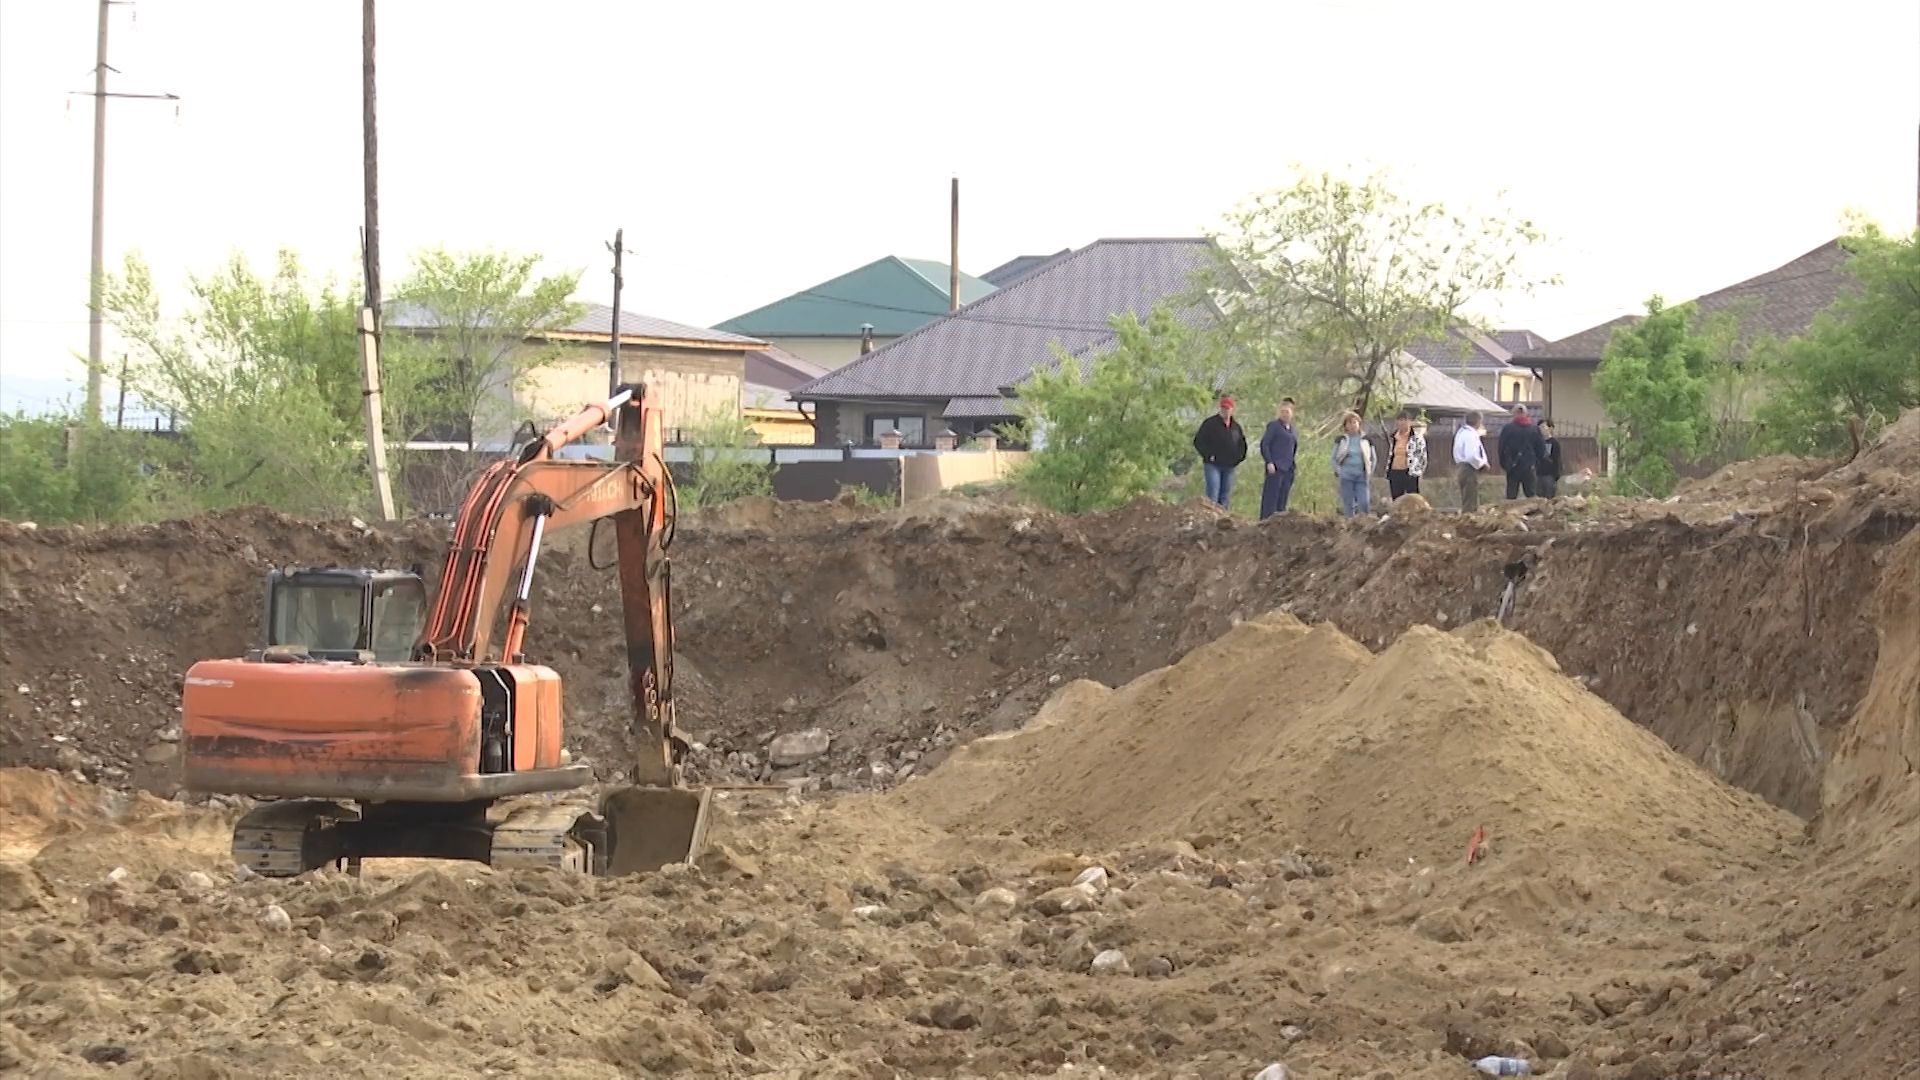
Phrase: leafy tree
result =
(1325, 284)
(263, 375)
(51, 474)
(470, 317)
(1859, 362)
(1653, 384)
(1114, 424)
(721, 471)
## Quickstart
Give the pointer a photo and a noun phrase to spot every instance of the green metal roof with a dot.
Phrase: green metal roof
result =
(896, 295)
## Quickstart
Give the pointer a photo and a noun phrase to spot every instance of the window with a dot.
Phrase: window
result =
(324, 618)
(397, 613)
(913, 429)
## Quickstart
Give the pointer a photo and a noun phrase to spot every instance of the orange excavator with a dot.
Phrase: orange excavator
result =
(385, 723)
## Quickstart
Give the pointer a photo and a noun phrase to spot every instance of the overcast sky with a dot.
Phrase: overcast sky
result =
(751, 150)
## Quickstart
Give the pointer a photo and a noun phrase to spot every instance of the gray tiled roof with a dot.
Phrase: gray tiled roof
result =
(1518, 341)
(593, 319)
(598, 319)
(1018, 267)
(774, 366)
(1464, 350)
(977, 408)
(997, 340)
(1780, 303)
(1424, 386)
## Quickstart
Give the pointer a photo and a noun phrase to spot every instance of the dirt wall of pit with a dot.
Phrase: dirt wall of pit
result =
(1744, 637)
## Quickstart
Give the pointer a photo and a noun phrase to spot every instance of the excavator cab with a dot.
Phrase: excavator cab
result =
(344, 614)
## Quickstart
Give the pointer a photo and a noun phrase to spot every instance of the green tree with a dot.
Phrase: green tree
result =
(1859, 362)
(1325, 284)
(1110, 427)
(263, 376)
(61, 469)
(1653, 381)
(723, 470)
(459, 333)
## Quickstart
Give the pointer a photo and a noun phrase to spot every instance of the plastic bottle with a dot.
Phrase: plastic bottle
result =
(1504, 1066)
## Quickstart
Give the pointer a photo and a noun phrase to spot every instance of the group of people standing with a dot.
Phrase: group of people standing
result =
(1529, 454)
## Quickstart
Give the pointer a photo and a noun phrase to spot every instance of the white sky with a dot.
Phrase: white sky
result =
(752, 149)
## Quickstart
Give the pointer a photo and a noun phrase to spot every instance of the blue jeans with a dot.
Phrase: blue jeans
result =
(1274, 493)
(1219, 482)
(1355, 496)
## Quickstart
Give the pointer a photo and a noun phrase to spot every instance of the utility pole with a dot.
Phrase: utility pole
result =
(97, 281)
(370, 253)
(953, 265)
(613, 348)
(120, 408)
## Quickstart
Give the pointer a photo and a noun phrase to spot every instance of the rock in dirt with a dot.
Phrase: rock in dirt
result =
(952, 1014)
(1094, 877)
(1158, 967)
(995, 903)
(21, 888)
(275, 917)
(797, 747)
(1066, 900)
(1111, 962)
(1445, 925)
(1275, 1071)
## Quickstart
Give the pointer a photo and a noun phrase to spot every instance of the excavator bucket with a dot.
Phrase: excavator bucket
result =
(652, 827)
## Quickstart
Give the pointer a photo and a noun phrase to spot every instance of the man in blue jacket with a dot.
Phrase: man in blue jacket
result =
(1279, 446)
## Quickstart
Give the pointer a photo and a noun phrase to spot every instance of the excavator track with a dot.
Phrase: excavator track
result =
(288, 838)
(558, 836)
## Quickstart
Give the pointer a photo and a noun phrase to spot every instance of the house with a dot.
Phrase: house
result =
(952, 372)
(1780, 303)
(1483, 362)
(1440, 394)
(690, 371)
(841, 318)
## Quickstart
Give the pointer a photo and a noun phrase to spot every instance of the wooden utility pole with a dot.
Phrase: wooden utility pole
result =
(370, 160)
(613, 336)
(120, 408)
(953, 265)
(97, 278)
(370, 254)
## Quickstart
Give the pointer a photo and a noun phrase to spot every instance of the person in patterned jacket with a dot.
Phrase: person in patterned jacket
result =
(1406, 456)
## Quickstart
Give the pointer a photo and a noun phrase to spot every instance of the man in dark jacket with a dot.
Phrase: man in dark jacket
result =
(1549, 462)
(1279, 446)
(1521, 451)
(1222, 446)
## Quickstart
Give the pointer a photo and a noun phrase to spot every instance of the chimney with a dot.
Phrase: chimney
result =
(866, 338)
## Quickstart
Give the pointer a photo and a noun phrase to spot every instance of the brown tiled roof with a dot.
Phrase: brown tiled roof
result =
(1780, 303)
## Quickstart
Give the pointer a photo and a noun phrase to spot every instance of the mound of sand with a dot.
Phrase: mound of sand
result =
(1278, 735)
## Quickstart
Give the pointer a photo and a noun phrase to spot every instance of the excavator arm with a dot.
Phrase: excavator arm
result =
(496, 545)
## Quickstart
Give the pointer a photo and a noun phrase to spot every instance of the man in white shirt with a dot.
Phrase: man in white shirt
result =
(1470, 460)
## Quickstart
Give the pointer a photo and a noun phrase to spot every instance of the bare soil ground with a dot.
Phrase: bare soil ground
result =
(1276, 741)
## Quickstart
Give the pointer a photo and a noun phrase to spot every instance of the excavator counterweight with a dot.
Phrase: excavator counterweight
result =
(385, 722)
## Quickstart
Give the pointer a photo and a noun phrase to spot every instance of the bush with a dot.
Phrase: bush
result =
(720, 472)
(97, 475)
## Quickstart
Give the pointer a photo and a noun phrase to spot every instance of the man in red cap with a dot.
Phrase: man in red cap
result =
(1222, 446)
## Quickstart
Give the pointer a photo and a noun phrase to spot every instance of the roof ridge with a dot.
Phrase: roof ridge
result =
(804, 289)
(907, 265)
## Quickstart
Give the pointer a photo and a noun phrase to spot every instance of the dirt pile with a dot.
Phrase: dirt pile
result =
(1875, 774)
(1277, 736)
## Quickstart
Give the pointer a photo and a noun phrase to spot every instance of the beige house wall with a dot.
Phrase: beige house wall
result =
(828, 352)
(925, 475)
(688, 385)
(1570, 397)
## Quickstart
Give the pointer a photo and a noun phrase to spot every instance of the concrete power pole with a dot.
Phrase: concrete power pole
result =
(370, 313)
(98, 277)
(953, 268)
